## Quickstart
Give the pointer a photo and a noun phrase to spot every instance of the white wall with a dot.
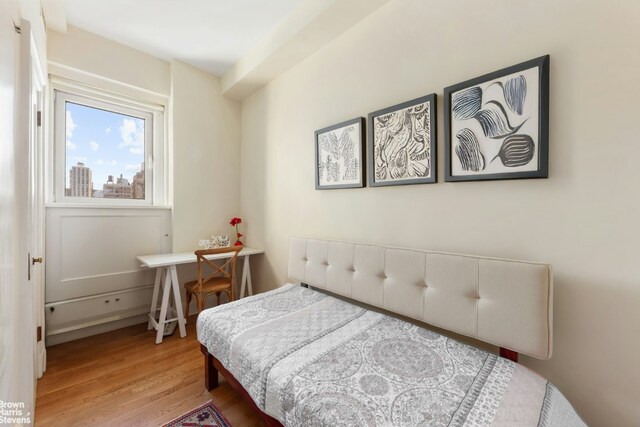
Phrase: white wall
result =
(206, 157)
(91, 53)
(582, 220)
(204, 133)
(204, 127)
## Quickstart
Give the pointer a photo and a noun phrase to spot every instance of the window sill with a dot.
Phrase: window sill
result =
(101, 206)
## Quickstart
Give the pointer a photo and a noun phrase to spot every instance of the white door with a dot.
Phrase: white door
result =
(36, 207)
(26, 337)
(29, 179)
(17, 331)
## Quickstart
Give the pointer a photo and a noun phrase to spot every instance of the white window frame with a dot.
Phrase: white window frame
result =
(154, 146)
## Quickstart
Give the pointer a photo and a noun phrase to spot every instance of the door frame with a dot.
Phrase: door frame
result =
(29, 161)
(37, 200)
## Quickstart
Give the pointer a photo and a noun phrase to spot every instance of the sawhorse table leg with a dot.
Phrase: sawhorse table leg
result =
(167, 279)
(246, 278)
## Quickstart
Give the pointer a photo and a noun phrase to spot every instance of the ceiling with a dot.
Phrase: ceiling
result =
(208, 34)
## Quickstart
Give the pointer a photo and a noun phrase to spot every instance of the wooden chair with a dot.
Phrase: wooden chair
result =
(221, 280)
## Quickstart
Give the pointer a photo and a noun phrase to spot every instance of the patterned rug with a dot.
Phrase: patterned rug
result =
(206, 415)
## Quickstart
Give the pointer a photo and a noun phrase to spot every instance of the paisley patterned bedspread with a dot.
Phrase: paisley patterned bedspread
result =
(308, 359)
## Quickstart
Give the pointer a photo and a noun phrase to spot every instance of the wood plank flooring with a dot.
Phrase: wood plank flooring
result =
(122, 378)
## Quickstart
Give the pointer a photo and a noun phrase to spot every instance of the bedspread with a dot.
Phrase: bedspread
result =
(307, 359)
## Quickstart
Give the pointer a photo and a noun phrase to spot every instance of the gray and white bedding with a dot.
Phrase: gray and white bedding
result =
(309, 359)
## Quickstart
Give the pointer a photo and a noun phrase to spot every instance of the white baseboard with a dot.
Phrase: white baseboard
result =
(95, 330)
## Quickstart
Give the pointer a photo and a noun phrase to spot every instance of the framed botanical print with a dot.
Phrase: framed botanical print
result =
(497, 125)
(402, 143)
(340, 155)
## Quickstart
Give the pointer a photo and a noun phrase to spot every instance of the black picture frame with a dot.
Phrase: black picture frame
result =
(542, 170)
(360, 149)
(432, 155)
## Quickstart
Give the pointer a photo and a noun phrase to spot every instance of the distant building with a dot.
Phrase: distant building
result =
(137, 184)
(80, 181)
(120, 189)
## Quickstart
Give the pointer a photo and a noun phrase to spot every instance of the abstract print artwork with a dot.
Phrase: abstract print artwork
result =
(497, 125)
(339, 155)
(402, 143)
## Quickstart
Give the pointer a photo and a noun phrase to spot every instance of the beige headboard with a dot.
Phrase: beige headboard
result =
(502, 302)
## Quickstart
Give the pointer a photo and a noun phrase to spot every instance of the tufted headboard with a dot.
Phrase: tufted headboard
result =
(502, 302)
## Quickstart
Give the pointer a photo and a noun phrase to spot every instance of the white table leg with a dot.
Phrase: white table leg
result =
(154, 299)
(178, 300)
(243, 281)
(249, 278)
(246, 278)
(166, 291)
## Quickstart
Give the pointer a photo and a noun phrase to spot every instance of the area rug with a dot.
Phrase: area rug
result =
(206, 415)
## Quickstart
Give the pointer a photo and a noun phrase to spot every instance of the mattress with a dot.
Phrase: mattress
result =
(309, 359)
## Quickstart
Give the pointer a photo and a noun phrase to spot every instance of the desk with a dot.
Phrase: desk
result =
(167, 279)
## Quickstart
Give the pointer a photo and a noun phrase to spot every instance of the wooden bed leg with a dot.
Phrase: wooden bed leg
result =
(210, 371)
(509, 354)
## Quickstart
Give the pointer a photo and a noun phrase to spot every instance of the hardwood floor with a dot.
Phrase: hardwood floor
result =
(122, 378)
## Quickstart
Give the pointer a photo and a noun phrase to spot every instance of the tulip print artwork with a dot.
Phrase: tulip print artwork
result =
(402, 143)
(497, 125)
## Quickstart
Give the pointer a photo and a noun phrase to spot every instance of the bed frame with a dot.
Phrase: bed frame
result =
(502, 302)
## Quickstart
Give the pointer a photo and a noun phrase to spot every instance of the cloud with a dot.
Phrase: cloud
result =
(71, 145)
(107, 131)
(80, 159)
(70, 125)
(132, 133)
(112, 162)
(94, 145)
(136, 151)
(132, 167)
(99, 162)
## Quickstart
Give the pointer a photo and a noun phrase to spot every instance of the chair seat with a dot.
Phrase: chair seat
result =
(214, 284)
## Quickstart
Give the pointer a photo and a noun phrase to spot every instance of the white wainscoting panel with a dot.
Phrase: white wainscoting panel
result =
(92, 252)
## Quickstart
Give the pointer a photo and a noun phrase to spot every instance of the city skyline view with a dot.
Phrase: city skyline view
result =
(108, 143)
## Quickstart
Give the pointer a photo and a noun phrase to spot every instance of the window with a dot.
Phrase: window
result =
(104, 149)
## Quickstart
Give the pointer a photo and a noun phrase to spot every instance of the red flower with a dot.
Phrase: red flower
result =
(240, 235)
(235, 221)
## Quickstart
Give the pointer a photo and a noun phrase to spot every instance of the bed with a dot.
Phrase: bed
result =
(325, 349)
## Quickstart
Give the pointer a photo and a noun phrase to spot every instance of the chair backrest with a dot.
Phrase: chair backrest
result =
(224, 267)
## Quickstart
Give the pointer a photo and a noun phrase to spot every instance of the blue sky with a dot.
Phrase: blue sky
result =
(109, 143)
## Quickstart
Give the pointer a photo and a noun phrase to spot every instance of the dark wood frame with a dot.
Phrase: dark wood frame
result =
(434, 142)
(212, 366)
(543, 126)
(363, 161)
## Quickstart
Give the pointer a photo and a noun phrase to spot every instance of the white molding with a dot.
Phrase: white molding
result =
(64, 84)
(104, 294)
(95, 330)
(64, 205)
(97, 81)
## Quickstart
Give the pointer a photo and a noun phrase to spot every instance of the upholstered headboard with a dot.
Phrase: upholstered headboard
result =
(502, 302)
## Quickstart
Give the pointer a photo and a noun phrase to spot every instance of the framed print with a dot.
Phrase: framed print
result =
(497, 125)
(402, 143)
(340, 155)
